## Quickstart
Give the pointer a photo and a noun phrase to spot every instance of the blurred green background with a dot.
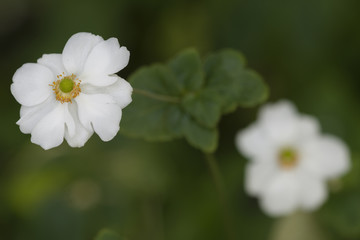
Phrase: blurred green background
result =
(308, 51)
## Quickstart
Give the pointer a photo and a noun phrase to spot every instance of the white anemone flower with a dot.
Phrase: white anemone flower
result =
(73, 94)
(290, 161)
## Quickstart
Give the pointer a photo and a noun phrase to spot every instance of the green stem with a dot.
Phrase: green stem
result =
(222, 194)
(159, 97)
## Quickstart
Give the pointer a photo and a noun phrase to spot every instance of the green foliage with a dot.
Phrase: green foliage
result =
(107, 234)
(342, 214)
(237, 86)
(186, 98)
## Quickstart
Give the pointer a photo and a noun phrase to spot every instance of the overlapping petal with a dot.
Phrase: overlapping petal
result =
(31, 84)
(100, 113)
(49, 131)
(70, 126)
(254, 143)
(81, 134)
(308, 127)
(106, 58)
(325, 156)
(121, 91)
(258, 175)
(279, 121)
(282, 194)
(312, 192)
(77, 50)
(30, 116)
(53, 62)
(98, 80)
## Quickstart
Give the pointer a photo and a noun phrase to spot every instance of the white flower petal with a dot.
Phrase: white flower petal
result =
(49, 132)
(254, 143)
(77, 50)
(282, 195)
(100, 112)
(54, 62)
(31, 84)
(313, 192)
(308, 127)
(326, 156)
(257, 177)
(121, 91)
(69, 120)
(280, 122)
(30, 116)
(81, 134)
(106, 58)
(98, 80)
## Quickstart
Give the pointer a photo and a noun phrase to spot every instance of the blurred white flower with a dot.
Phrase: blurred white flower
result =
(290, 160)
(73, 94)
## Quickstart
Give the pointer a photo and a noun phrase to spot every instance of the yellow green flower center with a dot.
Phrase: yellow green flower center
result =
(66, 88)
(66, 85)
(287, 158)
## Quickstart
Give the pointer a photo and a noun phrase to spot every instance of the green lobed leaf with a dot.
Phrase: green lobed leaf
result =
(200, 137)
(157, 79)
(186, 98)
(204, 106)
(252, 89)
(154, 113)
(107, 234)
(226, 74)
(219, 69)
(187, 67)
(227, 59)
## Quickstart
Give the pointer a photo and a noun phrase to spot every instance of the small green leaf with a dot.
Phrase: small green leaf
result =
(342, 214)
(107, 234)
(204, 107)
(156, 79)
(187, 67)
(152, 119)
(227, 59)
(224, 85)
(154, 113)
(252, 89)
(200, 137)
(226, 74)
(186, 98)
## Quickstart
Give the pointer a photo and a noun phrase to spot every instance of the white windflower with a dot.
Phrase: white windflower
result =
(290, 160)
(73, 94)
